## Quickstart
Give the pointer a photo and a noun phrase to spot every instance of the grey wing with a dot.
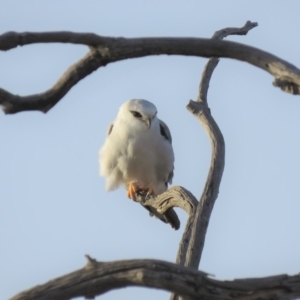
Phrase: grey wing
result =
(110, 128)
(165, 131)
(170, 177)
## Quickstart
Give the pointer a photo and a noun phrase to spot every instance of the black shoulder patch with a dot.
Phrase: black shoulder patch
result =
(163, 132)
(110, 129)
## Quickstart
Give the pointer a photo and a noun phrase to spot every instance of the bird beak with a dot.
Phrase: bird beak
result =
(148, 122)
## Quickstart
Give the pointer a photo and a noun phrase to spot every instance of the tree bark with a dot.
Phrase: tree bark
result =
(97, 278)
(105, 50)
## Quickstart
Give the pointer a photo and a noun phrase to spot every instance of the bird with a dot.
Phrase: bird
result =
(137, 153)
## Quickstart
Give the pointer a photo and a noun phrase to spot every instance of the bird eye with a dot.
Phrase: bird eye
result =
(136, 114)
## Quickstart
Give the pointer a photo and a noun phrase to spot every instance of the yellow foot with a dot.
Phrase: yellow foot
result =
(132, 189)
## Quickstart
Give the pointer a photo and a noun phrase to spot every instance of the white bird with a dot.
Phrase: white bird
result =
(137, 152)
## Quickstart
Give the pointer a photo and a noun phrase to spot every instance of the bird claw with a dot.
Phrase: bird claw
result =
(134, 188)
(148, 188)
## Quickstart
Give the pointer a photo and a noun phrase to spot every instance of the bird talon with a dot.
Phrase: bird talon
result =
(148, 188)
(132, 189)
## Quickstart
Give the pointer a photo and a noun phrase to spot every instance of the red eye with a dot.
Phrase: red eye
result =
(136, 114)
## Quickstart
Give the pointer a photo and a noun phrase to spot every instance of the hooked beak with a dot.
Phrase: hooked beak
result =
(148, 122)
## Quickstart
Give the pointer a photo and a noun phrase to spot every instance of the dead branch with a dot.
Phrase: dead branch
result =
(162, 205)
(176, 196)
(13, 103)
(201, 111)
(105, 50)
(97, 278)
(190, 254)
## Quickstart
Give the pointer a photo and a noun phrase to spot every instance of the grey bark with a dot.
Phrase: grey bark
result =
(97, 278)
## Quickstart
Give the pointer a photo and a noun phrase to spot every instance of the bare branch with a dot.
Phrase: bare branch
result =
(213, 62)
(220, 34)
(197, 224)
(176, 196)
(161, 205)
(11, 39)
(211, 189)
(45, 101)
(109, 49)
(97, 278)
(201, 110)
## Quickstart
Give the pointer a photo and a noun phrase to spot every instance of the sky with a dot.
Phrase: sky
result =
(53, 205)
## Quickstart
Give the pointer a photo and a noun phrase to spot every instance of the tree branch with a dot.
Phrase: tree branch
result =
(45, 101)
(176, 196)
(97, 278)
(107, 49)
(198, 222)
(162, 205)
(201, 111)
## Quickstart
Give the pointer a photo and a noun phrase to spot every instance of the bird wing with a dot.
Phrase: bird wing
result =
(110, 128)
(165, 131)
(170, 216)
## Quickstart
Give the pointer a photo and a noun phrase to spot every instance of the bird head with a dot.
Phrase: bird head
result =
(140, 109)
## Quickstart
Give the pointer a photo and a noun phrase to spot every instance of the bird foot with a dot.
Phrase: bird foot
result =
(135, 188)
(132, 189)
(148, 188)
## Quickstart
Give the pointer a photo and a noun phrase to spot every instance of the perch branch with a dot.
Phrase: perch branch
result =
(176, 196)
(97, 278)
(109, 49)
(162, 205)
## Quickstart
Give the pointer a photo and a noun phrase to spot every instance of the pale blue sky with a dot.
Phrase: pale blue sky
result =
(54, 208)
